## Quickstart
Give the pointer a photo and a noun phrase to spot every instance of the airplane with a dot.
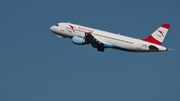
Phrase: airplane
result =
(81, 35)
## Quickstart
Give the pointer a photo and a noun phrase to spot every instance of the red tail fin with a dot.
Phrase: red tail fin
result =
(158, 36)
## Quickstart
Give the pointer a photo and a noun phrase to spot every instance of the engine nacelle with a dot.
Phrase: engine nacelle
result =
(78, 40)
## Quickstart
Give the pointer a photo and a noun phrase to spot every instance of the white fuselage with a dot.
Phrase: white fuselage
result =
(117, 41)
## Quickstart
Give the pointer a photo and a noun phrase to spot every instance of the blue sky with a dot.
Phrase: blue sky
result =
(37, 66)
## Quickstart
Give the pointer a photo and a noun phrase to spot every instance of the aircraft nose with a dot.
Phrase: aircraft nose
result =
(52, 28)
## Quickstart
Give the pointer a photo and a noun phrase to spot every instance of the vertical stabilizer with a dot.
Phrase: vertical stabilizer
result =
(158, 36)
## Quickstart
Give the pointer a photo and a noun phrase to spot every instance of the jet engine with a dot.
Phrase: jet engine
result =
(78, 40)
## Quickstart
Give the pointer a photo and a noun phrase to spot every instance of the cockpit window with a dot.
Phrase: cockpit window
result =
(57, 24)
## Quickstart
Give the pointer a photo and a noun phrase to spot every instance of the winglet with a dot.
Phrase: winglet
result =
(89, 33)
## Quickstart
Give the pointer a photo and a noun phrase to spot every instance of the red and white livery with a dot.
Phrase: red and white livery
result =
(100, 40)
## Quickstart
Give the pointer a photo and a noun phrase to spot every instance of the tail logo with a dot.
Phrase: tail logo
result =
(161, 33)
(158, 36)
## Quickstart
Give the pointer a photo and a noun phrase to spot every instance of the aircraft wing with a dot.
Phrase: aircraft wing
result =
(91, 39)
(100, 45)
